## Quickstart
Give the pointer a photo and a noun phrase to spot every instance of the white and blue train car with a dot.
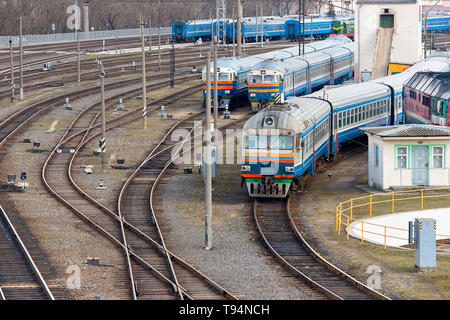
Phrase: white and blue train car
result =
(233, 72)
(283, 142)
(273, 81)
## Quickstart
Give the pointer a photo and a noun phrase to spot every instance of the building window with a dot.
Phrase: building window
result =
(438, 157)
(402, 157)
(376, 158)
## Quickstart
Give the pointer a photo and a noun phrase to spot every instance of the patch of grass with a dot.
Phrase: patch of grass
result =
(318, 204)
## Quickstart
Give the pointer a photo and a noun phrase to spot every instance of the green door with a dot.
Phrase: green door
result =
(386, 20)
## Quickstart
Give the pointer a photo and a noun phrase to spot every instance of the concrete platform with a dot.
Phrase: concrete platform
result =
(398, 238)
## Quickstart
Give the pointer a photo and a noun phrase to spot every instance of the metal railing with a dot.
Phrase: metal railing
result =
(358, 209)
(34, 39)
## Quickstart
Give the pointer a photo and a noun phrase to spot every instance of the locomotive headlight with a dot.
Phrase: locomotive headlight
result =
(227, 91)
(269, 121)
(245, 168)
(289, 169)
(274, 94)
(252, 95)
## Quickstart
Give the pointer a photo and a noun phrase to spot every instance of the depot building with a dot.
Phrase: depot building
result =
(408, 155)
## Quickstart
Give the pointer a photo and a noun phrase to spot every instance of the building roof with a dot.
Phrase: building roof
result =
(436, 84)
(409, 131)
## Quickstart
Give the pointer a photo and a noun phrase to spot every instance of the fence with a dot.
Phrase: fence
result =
(34, 39)
(356, 209)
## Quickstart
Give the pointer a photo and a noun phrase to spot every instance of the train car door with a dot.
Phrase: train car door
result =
(291, 30)
(419, 165)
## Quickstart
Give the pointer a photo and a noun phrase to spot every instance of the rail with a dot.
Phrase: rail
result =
(357, 209)
(27, 255)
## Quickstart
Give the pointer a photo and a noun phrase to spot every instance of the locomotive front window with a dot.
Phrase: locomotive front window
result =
(255, 142)
(281, 142)
(256, 79)
(224, 76)
(270, 78)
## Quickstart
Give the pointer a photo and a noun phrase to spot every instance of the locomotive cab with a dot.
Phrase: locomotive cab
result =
(226, 87)
(268, 158)
(265, 87)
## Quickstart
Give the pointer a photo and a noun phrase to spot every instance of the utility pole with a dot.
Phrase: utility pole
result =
(221, 10)
(103, 140)
(238, 28)
(144, 80)
(425, 28)
(172, 65)
(78, 58)
(86, 19)
(216, 93)
(150, 35)
(13, 85)
(301, 22)
(21, 57)
(77, 36)
(159, 48)
(208, 160)
(257, 26)
(262, 28)
(234, 34)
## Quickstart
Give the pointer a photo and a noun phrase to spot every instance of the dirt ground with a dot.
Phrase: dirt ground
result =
(64, 241)
(238, 260)
(315, 207)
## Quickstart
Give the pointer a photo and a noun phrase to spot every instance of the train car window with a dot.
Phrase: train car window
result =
(367, 111)
(352, 119)
(348, 118)
(255, 142)
(359, 113)
(281, 142)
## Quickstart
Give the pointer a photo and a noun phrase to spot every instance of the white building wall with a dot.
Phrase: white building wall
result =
(375, 172)
(406, 44)
(386, 175)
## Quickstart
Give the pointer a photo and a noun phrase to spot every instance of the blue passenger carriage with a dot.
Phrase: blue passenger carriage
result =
(192, 30)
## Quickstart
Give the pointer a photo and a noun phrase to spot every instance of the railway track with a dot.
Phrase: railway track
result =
(36, 51)
(20, 278)
(93, 75)
(160, 286)
(136, 205)
(16, 121)
(439, 41)
(8, 128)
(279, 233)
(68, 69)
